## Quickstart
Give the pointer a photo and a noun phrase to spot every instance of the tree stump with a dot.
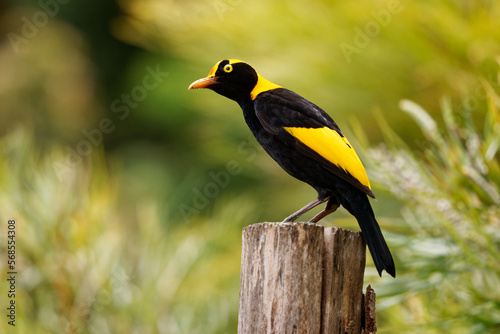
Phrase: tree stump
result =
(302, 278)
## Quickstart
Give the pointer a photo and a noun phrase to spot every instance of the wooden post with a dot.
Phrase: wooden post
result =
(303, 278)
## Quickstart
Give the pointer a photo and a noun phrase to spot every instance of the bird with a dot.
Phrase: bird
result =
(307, 143)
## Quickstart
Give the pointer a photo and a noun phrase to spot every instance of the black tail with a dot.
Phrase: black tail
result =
(359, 206)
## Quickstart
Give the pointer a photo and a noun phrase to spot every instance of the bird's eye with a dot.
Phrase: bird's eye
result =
(228, 68)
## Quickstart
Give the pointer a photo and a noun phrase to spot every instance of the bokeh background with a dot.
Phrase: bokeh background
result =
(130, 192)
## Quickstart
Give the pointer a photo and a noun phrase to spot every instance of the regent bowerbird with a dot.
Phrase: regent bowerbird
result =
(305, 141)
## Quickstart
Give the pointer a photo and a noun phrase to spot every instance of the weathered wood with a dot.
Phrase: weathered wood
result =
(280, 287)
(301, 278)
(344, 257)
(370, 316)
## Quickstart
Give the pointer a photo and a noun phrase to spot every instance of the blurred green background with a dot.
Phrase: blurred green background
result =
(130, 192)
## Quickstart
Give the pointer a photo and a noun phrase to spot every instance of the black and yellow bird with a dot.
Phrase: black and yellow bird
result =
(305, 141)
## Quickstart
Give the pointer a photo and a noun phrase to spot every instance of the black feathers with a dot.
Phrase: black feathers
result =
(306, 142)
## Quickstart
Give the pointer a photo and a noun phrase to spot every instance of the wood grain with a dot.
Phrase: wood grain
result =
(301, 278)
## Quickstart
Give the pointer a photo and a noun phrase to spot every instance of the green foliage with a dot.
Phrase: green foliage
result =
(448, 242)
(103, 244)
(87, 264)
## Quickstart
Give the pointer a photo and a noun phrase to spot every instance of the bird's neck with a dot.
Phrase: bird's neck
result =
(262, 85)
(250, 117)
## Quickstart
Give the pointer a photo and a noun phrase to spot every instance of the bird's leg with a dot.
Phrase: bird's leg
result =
(308, 207)
(330, 208)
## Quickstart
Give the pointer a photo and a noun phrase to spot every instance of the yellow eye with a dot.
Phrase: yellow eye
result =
(228, 68)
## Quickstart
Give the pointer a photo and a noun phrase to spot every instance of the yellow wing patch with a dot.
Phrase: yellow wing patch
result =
(333, 147)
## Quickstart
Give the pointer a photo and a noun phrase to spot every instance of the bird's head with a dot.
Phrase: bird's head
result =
(235, 80)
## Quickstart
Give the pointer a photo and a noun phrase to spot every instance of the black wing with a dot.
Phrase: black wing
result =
(311, 131)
